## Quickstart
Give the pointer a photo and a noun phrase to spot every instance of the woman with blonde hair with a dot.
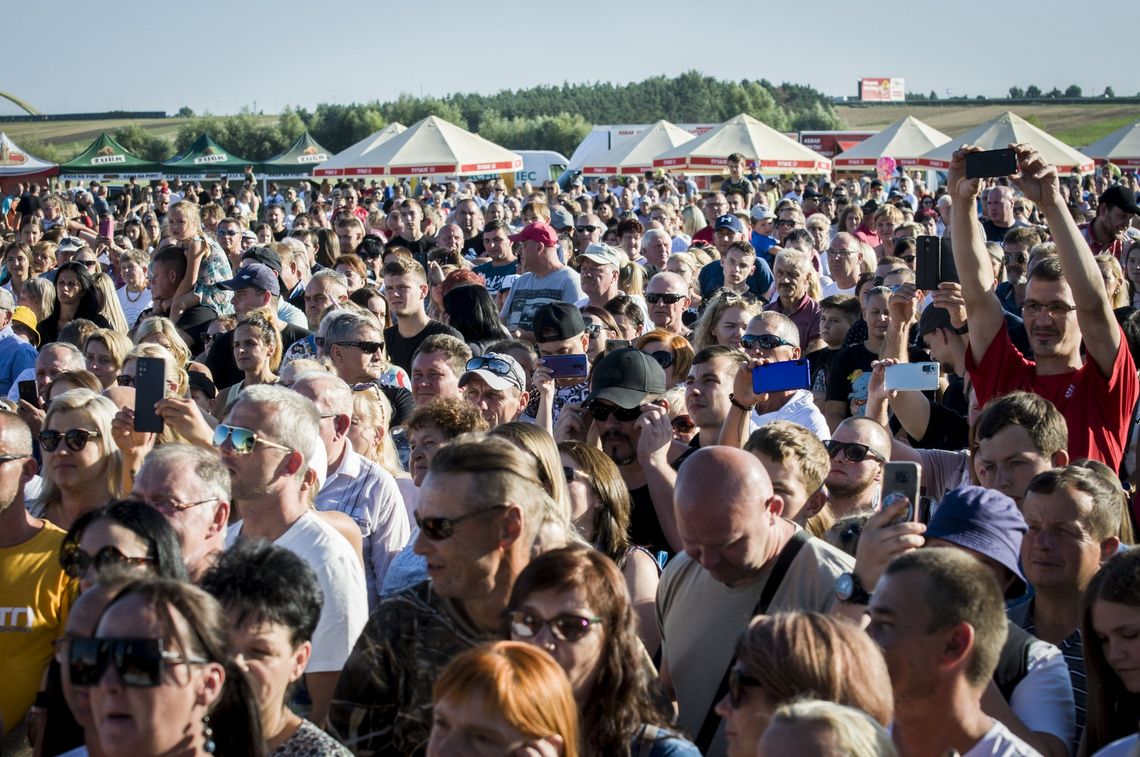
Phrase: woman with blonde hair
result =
(112, 310)
(1114, 282)
(692, 220)
(671, 351)
(177, 380)
(724, 321)
(542, 447)
(371, 437)
(38, 294)
(43, 257)
(503, 698)
(162, 331)
(786, 655)
(813, 726)
(257, 354)
(82, 467)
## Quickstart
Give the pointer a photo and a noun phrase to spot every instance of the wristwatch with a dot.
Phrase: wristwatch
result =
(849, 590)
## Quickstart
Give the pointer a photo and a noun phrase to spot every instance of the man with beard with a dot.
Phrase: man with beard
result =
(858, 449)
(1017, 245)
(633, 426)
(1114, 214)
(1065, 305)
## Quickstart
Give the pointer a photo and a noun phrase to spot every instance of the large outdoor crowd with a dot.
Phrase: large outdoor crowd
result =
(470, 469)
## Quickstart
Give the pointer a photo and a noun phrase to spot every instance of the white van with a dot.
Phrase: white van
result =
(539, 167)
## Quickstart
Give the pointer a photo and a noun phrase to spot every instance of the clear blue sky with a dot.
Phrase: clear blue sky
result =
(220, 56)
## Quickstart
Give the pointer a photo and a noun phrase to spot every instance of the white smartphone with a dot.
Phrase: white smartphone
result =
(912, 377)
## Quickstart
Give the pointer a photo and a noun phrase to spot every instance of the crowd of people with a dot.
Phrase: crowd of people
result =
(462, 469)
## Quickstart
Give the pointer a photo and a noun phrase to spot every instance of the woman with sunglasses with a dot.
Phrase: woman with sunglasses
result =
(75, 297)
(125, 534)
(161, 676)
(789, 655)
(257, 353)
(573, 603)
(82, 467)
(471, 311)
(503, 699)
(273, 601)
(601, 328)
(671, 351)
(599, 508)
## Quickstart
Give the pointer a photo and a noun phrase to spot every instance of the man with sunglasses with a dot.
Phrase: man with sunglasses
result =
(354, 344)
(273, 483)
(667, 296)
(229, 239)
(495, 384)
(858, 448)
(479, 512)
(35, 593)
(741, 558)
(1065, 307)
(1015, 256)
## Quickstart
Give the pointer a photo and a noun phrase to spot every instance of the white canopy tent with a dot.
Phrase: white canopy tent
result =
(905, 141)
(1121, 148)
(1007, 129)
(356, 157)
(634, 155)
(772, 152)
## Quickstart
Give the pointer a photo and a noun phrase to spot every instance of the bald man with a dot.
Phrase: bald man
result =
(999, 214)
(858, 449)
(742, 558)
(667, 296)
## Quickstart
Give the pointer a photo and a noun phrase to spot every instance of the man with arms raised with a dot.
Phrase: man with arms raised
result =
(708, 389)
(1065, 305)
(742, 558)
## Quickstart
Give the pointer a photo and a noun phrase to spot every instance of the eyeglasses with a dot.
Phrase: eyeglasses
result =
(1032, 309)
(438, 529)
(565, 627)
(139, 662)
(785, 222)
(495, 365)
(368, 348)
(228, 232)
(842, 253)
(908, 259)
(853, 451)
(125, 379)
(668, 298)
(242, 440)
(763, 342)
(168, 508)
(737, 680)
(662, 358)
(75, 562)
(683, 424)
(1015, 257)
(75, 439)
(585, 229)
(602, 412)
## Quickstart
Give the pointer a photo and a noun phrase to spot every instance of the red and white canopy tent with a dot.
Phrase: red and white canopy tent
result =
(905, 141)
(431, 147)
(772, 152)
(358, 156)
(634, 155)
(16, 164)
(1005, 130)
(1121, 148)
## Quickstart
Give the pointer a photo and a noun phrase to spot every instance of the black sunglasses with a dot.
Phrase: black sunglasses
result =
(139, 662)
(75, 439)
(603, 412)
(663, 358)
(587, 229)
(763, 342)
(438, 529)
(683, 424)
(737, 680)
(785, 222)
(853, 451)
(668, 298)
(368, 348)
(565, 627)
(495, 365)
(126, 379)
(75, 562)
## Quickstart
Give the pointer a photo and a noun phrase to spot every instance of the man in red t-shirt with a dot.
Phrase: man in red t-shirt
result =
(1065, 300)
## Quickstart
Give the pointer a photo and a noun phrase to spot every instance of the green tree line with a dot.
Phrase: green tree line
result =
(542, 117)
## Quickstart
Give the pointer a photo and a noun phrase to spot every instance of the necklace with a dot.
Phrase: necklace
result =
(138, 297)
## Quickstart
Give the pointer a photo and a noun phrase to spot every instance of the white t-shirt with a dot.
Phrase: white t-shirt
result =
(341, 577)
(801, 409)
(133, 304)
(999, 741)
(1044, 698)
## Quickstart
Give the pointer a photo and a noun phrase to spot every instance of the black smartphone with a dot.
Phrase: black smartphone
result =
(991, 163)
(150, 387)
(29, 392)
(902, 479)
(933, 262)
(567, 366)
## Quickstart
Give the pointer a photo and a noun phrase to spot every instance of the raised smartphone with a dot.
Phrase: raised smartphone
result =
(991, 163)
(567, 366)
(902, 479)
(783, 376)
(912, 377)
(150, 387)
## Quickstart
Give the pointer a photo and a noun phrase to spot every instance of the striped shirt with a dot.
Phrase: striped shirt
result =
(1073, 651)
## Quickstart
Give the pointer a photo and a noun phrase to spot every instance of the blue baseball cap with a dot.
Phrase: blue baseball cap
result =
(253, 275)
(730, 221)
(985, 521)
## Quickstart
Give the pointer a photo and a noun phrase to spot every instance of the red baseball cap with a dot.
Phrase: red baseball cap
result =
(539, 231)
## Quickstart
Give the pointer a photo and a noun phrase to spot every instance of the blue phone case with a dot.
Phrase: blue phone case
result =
(784, 376)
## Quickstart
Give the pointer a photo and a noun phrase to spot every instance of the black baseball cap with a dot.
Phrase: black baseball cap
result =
(626, 377)
(933, 318)
(1119, 197)
(557, 321)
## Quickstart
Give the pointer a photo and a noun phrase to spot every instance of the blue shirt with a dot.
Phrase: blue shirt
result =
(711, 278)
(16, 356)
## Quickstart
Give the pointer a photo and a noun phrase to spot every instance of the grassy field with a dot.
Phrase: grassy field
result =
(1077, 125)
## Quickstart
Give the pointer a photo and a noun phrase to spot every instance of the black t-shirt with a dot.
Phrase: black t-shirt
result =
(644, 527)
(475, 245)
(993, 232)
(419, 248)
(851, 372)
(401, 349)
(819, 365)
(194, 322)
(220, 359)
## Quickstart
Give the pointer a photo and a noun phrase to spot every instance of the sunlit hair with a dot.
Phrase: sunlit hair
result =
(704, 332)
(176, 377)
(370, 408)
(170, 338)
(853, 732)
(611, 521)
(41, 293)
(676, 344)
(116, 344)
(193, 623)
(518, 682)
(796, 652)
(112, 309)
(1112, 710)
(1111, 272)
(264, 323)
(538, 442)
(286, 418)
(192, 216)
(99, 411)
(622, 698)
(785, 327)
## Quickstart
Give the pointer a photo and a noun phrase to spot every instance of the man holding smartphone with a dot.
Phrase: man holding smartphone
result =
(561, 334)
(1065, 306)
